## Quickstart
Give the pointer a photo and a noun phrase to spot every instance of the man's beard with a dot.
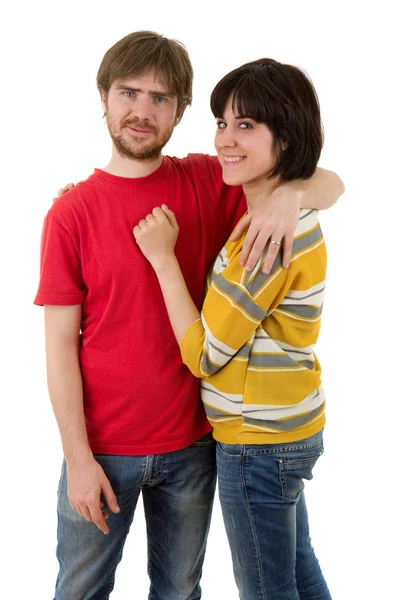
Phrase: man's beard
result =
(124, 147)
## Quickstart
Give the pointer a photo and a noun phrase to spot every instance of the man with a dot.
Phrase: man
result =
(127, 408)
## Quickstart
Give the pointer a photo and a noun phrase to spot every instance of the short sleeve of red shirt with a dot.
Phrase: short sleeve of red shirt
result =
(61, 281)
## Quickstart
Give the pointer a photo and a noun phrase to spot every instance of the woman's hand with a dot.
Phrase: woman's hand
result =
(63, 191)
(156, 236)
(271, 226)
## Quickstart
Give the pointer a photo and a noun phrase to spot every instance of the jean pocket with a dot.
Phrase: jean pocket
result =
(205, 440)
(293, 470)
(230, 450)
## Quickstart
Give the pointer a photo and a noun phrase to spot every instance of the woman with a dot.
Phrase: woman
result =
(253, 343)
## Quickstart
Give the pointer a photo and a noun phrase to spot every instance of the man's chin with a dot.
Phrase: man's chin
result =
(150, 153)
(138, 151)
(139, 148)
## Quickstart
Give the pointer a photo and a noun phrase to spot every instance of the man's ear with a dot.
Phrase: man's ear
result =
(104, 103)
(179, 113)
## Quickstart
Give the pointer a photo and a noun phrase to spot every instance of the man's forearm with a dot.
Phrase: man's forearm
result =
(87, 481)
(320, 191)
(65, 388)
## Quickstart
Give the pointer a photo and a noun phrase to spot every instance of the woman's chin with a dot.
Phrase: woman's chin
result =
(231, 179)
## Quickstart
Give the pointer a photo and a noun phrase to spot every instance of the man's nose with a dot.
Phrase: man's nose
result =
(143, 109)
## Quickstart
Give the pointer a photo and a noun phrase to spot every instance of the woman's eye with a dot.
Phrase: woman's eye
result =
(221, 125)
(245, 125)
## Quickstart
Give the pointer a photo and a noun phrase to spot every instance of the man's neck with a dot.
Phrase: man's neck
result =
(128, 167)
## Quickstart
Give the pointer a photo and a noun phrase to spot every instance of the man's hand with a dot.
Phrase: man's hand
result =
(86, 483)
(274, 222)
(156, 236)
(63, 190)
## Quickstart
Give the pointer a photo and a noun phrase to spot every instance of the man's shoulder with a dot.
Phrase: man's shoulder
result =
(70, 203)
(201, 163)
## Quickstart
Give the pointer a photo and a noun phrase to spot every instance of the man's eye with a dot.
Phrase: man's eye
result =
(221, 125)
(159, 99)
(129, 94)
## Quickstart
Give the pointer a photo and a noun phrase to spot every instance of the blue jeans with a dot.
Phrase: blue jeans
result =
(178, 491)
(265, 516)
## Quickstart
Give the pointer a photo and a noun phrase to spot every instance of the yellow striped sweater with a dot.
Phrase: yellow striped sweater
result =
(253, 346)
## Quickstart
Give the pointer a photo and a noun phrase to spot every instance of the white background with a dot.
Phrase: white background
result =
(52, 133)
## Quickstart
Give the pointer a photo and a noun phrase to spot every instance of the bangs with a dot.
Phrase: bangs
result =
(249, 97)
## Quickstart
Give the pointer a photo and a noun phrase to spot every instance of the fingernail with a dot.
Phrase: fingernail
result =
(266, 271)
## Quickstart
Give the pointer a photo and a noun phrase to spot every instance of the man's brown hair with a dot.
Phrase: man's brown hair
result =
(142, 51)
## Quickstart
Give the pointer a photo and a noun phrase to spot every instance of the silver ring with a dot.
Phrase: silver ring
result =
(276, 243)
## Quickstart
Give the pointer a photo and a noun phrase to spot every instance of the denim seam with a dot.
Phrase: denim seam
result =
(316, 440)
(149, 566)
(282, 450)
(253, 531)
(116, 562)
(289, 461)
(282, 480)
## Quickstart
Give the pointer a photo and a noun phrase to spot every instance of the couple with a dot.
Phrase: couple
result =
(127, 408)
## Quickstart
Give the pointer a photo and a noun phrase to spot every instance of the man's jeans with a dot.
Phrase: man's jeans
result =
(178, 490)
(265, 515)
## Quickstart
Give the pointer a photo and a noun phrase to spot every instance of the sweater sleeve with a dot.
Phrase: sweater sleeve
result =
(233, 311)
(230, 315)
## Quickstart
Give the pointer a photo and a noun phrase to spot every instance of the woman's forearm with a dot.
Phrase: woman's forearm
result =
(181, 309)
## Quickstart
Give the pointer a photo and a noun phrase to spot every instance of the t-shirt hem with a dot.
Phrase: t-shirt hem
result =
(42, 300)
(134, 450)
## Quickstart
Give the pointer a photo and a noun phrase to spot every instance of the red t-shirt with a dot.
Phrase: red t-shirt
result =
(138, 396)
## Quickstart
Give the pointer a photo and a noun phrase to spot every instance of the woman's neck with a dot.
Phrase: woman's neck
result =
(257, 192)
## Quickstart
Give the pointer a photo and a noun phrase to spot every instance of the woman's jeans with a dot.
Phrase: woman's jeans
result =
(265, 515)
(178, 491)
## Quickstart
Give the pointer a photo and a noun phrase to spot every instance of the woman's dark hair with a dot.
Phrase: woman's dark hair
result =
(283, 98)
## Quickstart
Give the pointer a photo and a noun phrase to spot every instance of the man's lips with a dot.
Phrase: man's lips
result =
(139, 132)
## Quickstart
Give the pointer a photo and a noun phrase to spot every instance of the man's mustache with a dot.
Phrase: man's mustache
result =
(137, 124)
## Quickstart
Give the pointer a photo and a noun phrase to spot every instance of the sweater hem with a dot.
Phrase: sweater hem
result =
(251, 438)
